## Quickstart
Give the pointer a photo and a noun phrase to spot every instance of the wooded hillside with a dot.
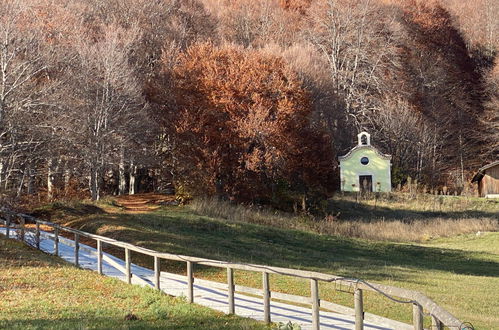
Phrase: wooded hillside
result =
(252, 100)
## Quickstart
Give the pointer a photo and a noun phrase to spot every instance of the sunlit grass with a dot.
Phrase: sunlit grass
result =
(459, 273)
(38, 291)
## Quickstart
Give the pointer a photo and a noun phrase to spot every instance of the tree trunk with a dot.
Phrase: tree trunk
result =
(31, 179)
(21, 184)
(67, 177)
(1, 172)
(133, 173)
(94, 183)
(122, 177)
(461, 160)
(50, 179)
(7, 173)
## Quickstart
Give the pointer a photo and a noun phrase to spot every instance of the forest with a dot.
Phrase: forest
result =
(249, 100)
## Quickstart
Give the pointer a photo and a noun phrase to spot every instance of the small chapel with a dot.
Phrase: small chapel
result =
(364, 168)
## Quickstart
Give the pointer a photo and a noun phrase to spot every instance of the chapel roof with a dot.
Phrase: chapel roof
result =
(369, 147)
(364, 142)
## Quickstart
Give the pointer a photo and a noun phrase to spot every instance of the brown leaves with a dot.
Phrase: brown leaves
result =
(242, 119)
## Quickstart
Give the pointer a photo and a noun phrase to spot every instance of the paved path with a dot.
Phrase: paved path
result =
(176, 285)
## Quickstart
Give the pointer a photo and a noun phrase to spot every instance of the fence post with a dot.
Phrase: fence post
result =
(314, 289)
(56, 240)
(99, 256)
(417, 316)
(266, 297)
(436, 324)
(157, 266)
(190, 283)
(77, 249)
(230, 285)
(23, 230)
(359, 309)
(7, 218)
(128, 268)
(37, 235)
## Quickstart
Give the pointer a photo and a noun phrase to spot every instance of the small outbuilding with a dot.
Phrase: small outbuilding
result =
(364, 168)
(487, 178)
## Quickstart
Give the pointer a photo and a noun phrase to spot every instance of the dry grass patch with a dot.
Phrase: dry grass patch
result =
(399, 225)
(411, 230)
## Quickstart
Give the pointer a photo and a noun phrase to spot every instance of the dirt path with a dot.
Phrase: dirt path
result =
(142, 203)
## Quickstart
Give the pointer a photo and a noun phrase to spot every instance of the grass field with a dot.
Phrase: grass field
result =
(38, 291)
(396, 217)
(460, 273)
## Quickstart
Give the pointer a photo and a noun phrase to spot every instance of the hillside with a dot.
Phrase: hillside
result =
(39, 291)
(444, 269)
(249, 100)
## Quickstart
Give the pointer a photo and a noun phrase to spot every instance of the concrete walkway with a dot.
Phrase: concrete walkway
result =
(204, 294)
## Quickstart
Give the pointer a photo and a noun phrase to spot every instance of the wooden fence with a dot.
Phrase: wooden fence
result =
(422, 305)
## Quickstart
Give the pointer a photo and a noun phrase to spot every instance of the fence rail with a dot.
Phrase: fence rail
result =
(440, 318)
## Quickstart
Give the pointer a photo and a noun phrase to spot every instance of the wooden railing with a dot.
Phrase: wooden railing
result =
(440, 318)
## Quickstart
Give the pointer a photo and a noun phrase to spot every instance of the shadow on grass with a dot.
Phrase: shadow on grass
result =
(39, 300)
(29, 258)
(177, 322)
(180, 232)
(351, 210)
(59, 209)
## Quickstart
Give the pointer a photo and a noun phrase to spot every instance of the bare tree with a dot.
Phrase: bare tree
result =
(490, 118)
(413, 141)
(254, 23)
(478, 20)
(25, 83)
(107, 108)
(359, 48)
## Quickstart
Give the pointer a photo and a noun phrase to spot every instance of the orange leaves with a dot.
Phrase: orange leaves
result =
(427, 15)
(300, 6)
(243, 116)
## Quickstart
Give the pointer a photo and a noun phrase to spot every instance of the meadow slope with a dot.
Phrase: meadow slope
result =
(39, 291)
(459, 272)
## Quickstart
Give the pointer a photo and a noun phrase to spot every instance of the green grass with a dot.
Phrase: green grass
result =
(461, 273)
(38, 291)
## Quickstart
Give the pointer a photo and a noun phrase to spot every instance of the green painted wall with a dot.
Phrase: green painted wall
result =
(351, 168)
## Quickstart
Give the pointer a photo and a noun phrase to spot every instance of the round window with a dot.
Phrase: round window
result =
(364, 160)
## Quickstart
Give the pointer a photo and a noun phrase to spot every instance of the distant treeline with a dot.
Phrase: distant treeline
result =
(251, 100)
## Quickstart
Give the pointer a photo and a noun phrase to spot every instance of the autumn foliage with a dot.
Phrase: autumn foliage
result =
(250, 100)
(242, 125)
